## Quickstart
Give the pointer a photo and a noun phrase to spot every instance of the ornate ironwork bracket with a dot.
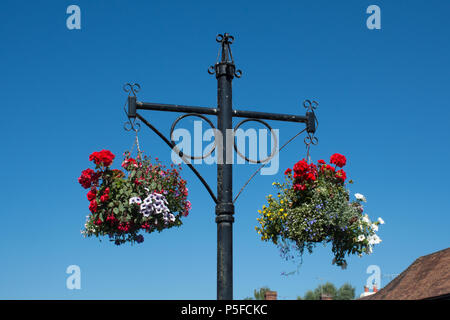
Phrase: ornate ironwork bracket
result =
(190, 111)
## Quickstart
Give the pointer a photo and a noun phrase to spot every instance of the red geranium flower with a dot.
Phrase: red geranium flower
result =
(338, 159)
(102, 158)
(327, 167)
(87, 178)
(299, 187)
(93, 206)
(301, 167)
(311, 176)
(321, 161)
(288, 171)
(105, 195)
(341, 175)
(91, 194)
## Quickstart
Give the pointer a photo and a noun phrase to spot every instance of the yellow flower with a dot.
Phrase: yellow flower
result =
(281, 201)
(281, 210)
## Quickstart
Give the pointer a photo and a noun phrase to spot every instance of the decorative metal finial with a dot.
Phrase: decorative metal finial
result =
(224, 56)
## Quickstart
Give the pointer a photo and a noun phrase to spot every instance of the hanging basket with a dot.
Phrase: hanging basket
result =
(145, 197)
(313, 206)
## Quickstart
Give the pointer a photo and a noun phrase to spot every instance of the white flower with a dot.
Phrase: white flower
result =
(136, 200)
(360, 197)
(366, 219)
(361, 237)
(381, 221)
(374, 227)
(146, 213)
(374, 239)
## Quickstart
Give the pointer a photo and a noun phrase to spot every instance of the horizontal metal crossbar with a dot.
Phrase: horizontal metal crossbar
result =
(215, 111)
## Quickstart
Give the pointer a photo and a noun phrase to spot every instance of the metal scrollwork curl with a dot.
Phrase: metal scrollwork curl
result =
(181, 153)
(274, 149)
(212, 70)
(225, 38)
(310, 105)
(131, 88)
(131, 124)
(310, 139)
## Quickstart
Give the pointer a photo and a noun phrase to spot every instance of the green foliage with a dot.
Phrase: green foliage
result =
(310, 295)
(328, 289)
(260, 293)
(345, 292)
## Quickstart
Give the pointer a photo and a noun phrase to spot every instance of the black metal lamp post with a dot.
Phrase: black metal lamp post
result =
(225, 71)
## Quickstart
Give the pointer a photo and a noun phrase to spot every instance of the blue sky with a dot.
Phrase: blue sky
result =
(383, 98)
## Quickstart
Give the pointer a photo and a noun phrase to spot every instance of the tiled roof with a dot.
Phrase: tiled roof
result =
(428, 277)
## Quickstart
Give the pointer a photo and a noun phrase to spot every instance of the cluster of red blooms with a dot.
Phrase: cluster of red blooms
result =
(102, 158)
(338, 159)
(145, 226)
(105, 195)
(89, 178)
(111, 219)
(124, 227)
(305, 173)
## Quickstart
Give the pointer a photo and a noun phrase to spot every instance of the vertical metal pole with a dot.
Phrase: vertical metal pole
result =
(224, 209)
